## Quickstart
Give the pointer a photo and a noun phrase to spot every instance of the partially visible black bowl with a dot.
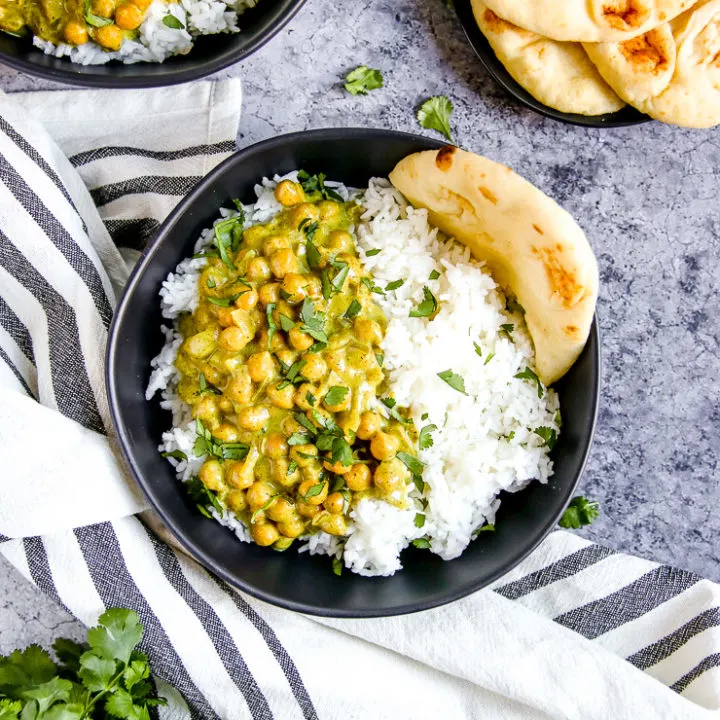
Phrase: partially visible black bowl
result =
(209, 54)
(479, 43)
(298, 581)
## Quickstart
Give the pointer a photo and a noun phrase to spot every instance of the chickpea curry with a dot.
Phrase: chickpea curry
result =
(107, 22)
(281, 363)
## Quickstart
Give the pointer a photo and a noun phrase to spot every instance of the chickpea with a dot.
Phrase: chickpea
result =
(316, 413)
(315, 499)
(212, 475)
(300, 453)
(294, 527)
(206, 409)
(282, 262)
(389, 475)
(282, 397)
(275, 445)
(103, 8)
(290, 426)
(281, 475)
(276, 344)
(260, 494)
(243, 320)
(337, 361)
(344, 404)
(273, 243)
(370, 424)
(329, 210)
(306, 211)
(282, 308)
(236, 500)
(314, 288)
(240, 389)
(75, 33)
(258, 270)
(315, 367)
(261, 366)
(234, 338)
(341, 240)
(142, 4)
(335, 503)
(282, 543)
(294, 285)
(254, 417)
(253, 237)
(128, 16)
(289, 193)
(240, 476)
(306, 509)
(384, 446)
(368, 331)
(226, 432)
(224, 316)
(264, 534)
(247, 299)
(287, 357)
(109, 36)
(225, 405)
(281, 510)
(269, 293)
(312, 472)
(301, 395)
(333, 524)
(358, 478)
(300, 340)
(336, 467)
(200, 345)
(212, 374)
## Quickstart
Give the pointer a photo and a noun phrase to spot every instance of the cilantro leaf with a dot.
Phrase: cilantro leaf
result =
(478, 349)
(434, 275)
(371, 286)
(286, 323)
(272, 325)
(548, 434)
(363, 79)
(121, 705)
(489, 358)
(390, 404)
(414, 465)
(488, 527)
(528, 374)
(394, 285)
(455, 381)
(336, 395)
(314, 490)
(579, 512)
(419, 520)
(341, 452)
(96, 672)
(337, 566)
(353, 309)
(312, 255)
(425, 440)
(434, 114)
(505, 331)
(421, 543)
(427, 307)
(172, 22)
(68, 652)
(117, 633)
(373, 252)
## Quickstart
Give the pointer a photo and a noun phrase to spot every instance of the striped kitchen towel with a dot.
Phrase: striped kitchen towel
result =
(575, 631)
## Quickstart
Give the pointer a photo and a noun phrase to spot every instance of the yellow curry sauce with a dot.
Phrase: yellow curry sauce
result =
(282, 367)
(107, 22)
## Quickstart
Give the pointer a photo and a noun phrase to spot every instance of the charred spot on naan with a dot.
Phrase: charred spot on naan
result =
(487, 194)
(538, 229)
(626, 14)
(563, 282)
(648, 53)
(444, 157)
(497, 25)
(572, 331)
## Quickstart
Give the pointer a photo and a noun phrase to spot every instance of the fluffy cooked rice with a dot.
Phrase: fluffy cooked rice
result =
(156, 41)
(485, 440)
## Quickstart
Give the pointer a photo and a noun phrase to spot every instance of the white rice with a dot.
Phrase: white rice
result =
(485, 441)
(156, 41)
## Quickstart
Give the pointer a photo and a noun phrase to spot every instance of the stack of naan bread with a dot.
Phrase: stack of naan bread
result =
(593, 56)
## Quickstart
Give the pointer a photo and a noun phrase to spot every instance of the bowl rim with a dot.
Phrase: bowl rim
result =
(625, 117)
(172, 75)
(208, 562)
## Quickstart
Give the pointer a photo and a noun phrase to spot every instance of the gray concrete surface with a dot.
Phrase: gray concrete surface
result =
(647, 197)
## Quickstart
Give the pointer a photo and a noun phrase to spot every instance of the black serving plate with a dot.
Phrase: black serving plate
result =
(479, 43)
(298, 581)
(209, 54)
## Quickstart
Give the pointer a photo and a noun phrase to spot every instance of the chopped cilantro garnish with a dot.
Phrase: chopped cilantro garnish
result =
(363, 79)
(336, 395)
(505, 331)
(455, 381)
(286, 323)
(434, 275)
(353, 309)
(371, 286)
(548, 434)
(272, 326)
(394, 285)
(421, 543)
(315, 490)
(373, 252)
(489, 358)
(169, 21)
(434, 114)
(528, 374)
(419, 520)
(425, 440)
(414, 465)
(488, 527)
(580, 511)
(337, 566)
(427, 307)
(478, 349)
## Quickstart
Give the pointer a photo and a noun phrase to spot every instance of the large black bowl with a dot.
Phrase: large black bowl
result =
(294, 581)
(479, 43)
(210, 54)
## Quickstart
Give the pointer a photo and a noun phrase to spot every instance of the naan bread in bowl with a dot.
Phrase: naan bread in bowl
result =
(589, 20)
(558, 74)
(672, 73)
(534, 248)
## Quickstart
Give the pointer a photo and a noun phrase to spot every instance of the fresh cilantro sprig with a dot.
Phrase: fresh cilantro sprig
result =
(316, 183)
(434, 114)
(580, 512)
(363, 79)
(206, 444)
(103, 677)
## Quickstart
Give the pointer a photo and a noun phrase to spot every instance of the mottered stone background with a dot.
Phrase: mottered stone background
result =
(649, 199)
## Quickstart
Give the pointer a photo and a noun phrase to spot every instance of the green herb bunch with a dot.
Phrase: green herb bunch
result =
(104, 677)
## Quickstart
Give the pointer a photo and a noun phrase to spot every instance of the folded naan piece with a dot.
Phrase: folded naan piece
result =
(589, 20)
(672, 73)
(534, 249)
(558, 74)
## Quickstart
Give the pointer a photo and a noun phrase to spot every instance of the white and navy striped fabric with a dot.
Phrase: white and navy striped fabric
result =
(576, 630)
